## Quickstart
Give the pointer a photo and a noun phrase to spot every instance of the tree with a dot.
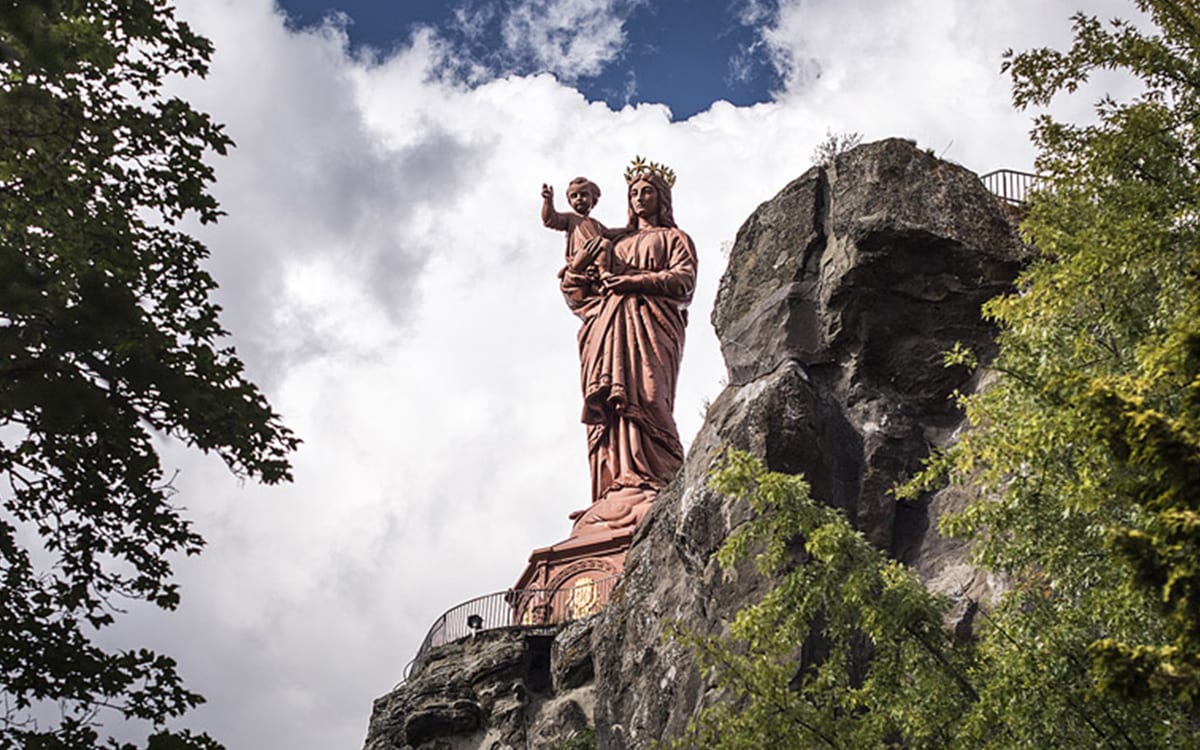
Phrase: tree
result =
(108, 339)
(849, 650)
(1091, 440)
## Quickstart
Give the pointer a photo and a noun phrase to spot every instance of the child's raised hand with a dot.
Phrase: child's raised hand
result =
(547, 192)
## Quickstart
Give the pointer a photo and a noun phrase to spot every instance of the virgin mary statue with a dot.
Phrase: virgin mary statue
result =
(630, 344)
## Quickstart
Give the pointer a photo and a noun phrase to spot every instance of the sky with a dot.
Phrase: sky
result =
(388, 283)
(685, 53)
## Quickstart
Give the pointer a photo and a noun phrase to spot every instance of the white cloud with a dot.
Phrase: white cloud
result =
(387, 279)
(755, 12)
(473, 20)
(570, 38)
(927, 69)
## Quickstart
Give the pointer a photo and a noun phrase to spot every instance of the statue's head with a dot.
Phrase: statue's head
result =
(582, 195)
(659, 178)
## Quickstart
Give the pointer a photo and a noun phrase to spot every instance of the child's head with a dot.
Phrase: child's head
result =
(582, 195)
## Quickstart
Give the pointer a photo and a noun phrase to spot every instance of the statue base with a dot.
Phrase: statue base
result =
(570, 579)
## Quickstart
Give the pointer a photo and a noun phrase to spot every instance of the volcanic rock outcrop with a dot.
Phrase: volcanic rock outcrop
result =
(841, 295)
(511, 688)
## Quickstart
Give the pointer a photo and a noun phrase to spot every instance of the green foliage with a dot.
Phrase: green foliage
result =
(835, 143)
(1090, 440)
(847, 650)
(108, 339)
(1085, 452)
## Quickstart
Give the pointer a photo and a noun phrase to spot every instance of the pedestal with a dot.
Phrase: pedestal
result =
(571, 579)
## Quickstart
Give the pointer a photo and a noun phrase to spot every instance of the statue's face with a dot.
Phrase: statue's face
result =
(643, 198)
(580, 198)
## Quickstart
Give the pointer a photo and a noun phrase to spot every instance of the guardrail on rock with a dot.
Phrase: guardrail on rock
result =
(533, 608)
(1010, 185)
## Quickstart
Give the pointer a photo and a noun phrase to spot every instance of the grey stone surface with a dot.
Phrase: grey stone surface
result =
(864, 273)
(560, 719)
(491, 692)
(841, 294)
(465, 689)
(571, 657)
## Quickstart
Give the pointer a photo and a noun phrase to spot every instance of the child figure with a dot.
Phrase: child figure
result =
(582, 195)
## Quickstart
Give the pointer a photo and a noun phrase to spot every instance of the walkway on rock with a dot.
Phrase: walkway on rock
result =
(500, 610)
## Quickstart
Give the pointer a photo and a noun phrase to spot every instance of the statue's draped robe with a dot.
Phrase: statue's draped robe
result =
(630, 346)
(579, 230)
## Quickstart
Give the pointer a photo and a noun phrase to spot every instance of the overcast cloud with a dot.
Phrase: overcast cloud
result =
(387, 279)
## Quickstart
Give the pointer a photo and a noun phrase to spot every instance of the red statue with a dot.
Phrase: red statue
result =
(631, 287)
(582, 195)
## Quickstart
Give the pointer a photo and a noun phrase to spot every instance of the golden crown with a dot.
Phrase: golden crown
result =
(639, 167)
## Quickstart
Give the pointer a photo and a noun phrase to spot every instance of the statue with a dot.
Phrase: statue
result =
(631, 288)
(582, 195)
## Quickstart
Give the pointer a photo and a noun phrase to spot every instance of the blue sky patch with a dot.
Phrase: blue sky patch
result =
(682, 53)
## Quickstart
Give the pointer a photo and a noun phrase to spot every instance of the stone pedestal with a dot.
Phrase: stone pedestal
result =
(570, 579)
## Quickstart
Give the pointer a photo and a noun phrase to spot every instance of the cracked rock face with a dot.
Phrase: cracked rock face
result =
(464, 689)
(502, 690)
(841, 295)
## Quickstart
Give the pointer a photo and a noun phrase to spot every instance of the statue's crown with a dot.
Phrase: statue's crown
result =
(639, 167)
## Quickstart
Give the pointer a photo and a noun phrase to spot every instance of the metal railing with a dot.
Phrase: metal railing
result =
(1011, 186)
(514, 608)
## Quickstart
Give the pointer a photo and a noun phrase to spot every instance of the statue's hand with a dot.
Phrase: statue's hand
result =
(622, 283)
(587, 254)
(547, 192)
(593, 247)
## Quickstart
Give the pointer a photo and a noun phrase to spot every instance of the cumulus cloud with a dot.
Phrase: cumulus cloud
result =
(472, 21)
(941, 57)
(570, 38)
(323, 210)
(386, 277)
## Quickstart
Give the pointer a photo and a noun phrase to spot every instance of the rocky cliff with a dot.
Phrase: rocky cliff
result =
(840, 296)
(510, 688)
